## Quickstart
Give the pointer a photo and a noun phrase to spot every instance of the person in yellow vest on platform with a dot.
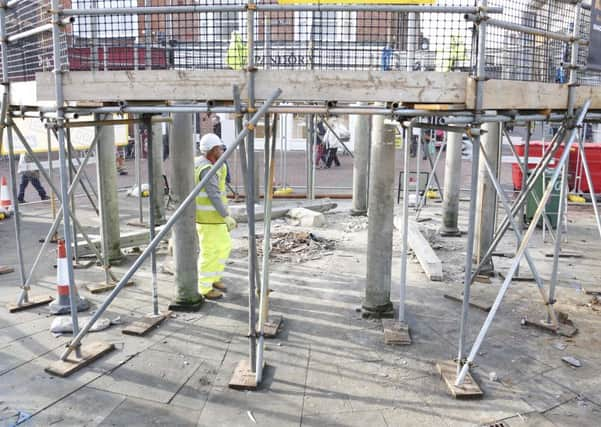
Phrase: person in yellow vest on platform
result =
(213, 222)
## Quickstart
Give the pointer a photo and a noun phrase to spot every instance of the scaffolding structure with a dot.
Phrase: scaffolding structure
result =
(525, 41)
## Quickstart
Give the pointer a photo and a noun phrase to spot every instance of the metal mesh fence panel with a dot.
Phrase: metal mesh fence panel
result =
(353, 39)
(519, 55)
(32, 54)
(586, 76)
(285, 39)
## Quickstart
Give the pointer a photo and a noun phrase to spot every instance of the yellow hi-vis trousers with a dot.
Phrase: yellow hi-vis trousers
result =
(215, 246)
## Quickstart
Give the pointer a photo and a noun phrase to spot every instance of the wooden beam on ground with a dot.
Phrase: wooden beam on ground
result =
(89, 353)
(395, 332)
(565, 329)
(474, 301)
(5, 269)
(126, 240)
(144, 325)
(565, 254)
(33, 302)
(279, 211)
(423, 251)
(97, 288)
(469, 389)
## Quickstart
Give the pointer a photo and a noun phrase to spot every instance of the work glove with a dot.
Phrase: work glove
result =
(230, 223)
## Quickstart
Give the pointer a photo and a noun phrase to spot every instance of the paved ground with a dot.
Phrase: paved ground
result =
(328, 366)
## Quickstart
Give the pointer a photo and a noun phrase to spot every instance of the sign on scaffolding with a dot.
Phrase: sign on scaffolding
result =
(35, 134)
(594, 47)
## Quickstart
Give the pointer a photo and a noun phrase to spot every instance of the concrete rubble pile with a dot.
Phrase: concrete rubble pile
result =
(297, 246)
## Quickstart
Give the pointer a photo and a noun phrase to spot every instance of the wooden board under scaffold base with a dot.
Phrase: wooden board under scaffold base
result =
(272, 326)
(33, 302)
(144, 325)
(395, 332)
(89, 353)
(97, 288)
(244, 378)
(469, 389)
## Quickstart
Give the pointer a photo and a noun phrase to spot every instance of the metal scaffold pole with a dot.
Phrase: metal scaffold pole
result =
(467, 281)
(168, 225)
(58, 88)
(522, 249)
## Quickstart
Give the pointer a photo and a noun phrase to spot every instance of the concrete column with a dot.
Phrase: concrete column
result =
(360, 136)
(452, 185)
(185, 241)
(108, 203)
(487, 196)
(381, 212)
(157, 201)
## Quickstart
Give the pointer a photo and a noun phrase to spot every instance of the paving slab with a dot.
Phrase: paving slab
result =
(541, 393)
(152, 375)
(584, 380)
(85, 407)
(28, 348)
(350, 419)
(576, 412)
(137, 412)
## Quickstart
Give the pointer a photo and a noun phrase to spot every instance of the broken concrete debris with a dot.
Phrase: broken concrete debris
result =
(297, 247)
(307, 217)
(572, 361)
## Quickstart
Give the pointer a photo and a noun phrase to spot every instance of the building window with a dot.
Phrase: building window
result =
(110, 27)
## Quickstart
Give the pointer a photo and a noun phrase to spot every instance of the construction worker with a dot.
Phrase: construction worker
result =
(213, 222)
(237, 52)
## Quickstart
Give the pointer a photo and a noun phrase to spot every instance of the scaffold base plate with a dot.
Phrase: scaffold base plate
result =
(395, 332)
(33, 302)
(272, 326)
(89, 353)
(243, 378)
(565, 329)
(468, 390)
(144, 325)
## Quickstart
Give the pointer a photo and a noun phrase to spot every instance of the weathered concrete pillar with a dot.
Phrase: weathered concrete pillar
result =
(108, 203)
(157, 201)
(381, 214)
(487, 196)
(452, 185)
(360, 136)
(185, 241)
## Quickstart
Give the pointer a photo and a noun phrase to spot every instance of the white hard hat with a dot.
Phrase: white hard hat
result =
(208, 141)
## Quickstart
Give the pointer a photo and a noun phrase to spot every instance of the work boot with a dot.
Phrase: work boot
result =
(213, 294)
(219, 285)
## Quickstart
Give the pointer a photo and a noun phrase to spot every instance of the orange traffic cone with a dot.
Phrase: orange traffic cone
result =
(63, 304)
(6, 204)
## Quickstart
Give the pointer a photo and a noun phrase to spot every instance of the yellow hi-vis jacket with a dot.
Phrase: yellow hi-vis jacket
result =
(237, 52)
(206, 212)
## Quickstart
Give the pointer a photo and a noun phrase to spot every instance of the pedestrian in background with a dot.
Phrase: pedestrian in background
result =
(27, 176)
(336, 134)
